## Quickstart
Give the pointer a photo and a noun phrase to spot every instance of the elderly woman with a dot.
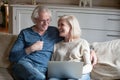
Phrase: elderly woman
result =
(73, 47)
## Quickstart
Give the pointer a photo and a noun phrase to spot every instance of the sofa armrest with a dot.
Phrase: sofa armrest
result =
(6, 42)
(108, 66)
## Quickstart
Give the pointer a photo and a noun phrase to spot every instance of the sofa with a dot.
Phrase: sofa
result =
(6, 42)
(108, 54)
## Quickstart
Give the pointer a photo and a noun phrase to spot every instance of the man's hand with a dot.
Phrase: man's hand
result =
(35, 47)
(93, 57)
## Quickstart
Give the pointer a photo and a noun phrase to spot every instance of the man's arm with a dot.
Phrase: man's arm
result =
(18, 49)
(93, 57)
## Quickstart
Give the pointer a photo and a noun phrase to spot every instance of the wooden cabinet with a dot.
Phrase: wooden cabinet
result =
(20, 17)
(96, 24)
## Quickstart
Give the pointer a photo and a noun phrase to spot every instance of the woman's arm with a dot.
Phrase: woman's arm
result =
(87, 68)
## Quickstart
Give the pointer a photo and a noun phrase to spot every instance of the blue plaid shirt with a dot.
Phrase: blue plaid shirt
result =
(27, 37)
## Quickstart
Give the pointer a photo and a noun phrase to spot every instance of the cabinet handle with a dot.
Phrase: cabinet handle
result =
(15, 17)
(59, 16)
(110, 35)
(114, 19)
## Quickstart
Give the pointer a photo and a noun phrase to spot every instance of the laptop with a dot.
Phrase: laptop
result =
(65, 69)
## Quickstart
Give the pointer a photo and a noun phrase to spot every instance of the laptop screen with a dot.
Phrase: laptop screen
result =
(65, 69)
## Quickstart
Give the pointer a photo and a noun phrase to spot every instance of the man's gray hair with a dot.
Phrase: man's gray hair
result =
(36, 12)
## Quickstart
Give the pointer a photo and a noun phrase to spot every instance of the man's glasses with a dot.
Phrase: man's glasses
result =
(45, 21)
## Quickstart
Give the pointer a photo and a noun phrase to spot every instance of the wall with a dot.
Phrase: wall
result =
(0, 18)
(107, 3)
(98, 3)
(47, 1)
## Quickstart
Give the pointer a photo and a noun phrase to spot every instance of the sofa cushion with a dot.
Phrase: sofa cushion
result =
(108, 66)
(6, 42)
(4, 75)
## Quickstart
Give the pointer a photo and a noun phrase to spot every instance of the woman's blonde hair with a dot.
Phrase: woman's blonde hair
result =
(36, 12)
(74, 24)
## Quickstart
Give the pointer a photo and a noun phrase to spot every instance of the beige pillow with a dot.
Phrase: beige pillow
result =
(108, 66)
(6, 42)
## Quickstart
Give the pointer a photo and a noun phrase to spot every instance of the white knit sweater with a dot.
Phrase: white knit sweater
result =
(77, 50)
